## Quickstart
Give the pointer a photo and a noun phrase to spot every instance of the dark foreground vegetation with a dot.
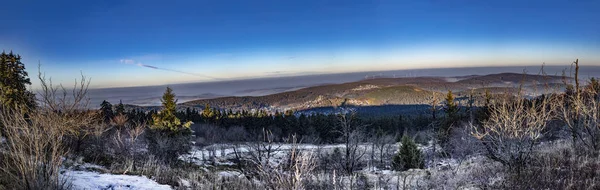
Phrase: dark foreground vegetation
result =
(510, 140)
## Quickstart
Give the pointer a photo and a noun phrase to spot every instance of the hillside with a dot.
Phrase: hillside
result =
(380, 91)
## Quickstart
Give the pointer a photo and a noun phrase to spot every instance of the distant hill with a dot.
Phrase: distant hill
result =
(381, 91)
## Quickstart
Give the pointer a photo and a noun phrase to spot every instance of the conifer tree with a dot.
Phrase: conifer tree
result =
(168, 137)
(166, 119)
(409, 156)
(451, 109)
(120, 108)
(208, 114)
(106, 109)
(13, 81)
(482, 113)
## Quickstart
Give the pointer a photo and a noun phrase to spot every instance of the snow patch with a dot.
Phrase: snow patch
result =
(94, 180)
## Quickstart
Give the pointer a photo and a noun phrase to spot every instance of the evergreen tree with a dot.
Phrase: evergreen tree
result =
(208, 114)
(13, 81)
(166, 119)
(168, 136)
(120, 108)
(409, 156)
(106, 109)
(451, 109)
(482, 113)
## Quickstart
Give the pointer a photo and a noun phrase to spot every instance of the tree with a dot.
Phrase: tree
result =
(409, 156)
(579, 111)
(13, 81)
(381, 144)
(168, 136)
(351, 138)
(207, 114)
(106, 109)
(483, 112)
(451, 109)
(120, 108)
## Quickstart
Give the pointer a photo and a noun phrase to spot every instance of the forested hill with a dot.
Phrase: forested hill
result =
(384, 91)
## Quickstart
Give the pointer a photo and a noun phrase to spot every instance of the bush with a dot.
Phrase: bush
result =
(36, 141)
(409, 156)
(514, 127)
(168, 145)
(557, 168)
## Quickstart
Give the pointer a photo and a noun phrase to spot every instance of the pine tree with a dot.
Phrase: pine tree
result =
(482, 113)
(168, 137)
(409, 156)
(120, 108)
(208, 114)
(13, 81)
(166, 119)
(106, 109)
(451, 109)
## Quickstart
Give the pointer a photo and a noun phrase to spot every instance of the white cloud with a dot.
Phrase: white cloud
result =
(127, 61)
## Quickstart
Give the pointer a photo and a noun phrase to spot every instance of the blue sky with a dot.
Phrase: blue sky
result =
(131, 43)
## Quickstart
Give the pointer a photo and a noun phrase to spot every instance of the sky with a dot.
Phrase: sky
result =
(135, 43)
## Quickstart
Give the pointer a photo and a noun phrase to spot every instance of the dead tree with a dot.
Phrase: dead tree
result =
(351, 137)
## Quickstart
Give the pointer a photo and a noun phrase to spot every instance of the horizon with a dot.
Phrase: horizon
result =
(150, 95)
(510, 70)
(150, 43)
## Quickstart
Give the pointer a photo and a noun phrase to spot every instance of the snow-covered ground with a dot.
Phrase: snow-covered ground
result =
(220, 154)
(95, 180)
(449, 170)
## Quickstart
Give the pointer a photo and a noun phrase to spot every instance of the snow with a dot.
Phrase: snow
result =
(95, 180)
(219, 154)
(230, 174)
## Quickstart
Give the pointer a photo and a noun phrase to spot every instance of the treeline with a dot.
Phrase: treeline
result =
(324, 127)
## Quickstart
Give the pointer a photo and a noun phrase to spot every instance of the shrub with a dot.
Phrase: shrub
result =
(409, 156)
(514, 126)
(168, 145)
(559, 167)
(37, 140)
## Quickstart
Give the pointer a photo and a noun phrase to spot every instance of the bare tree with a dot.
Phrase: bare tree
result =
(256, 154)
(514, 126)
(294, 172)
(351, 137)
(263, 149)
(382, 146)
(580, 110)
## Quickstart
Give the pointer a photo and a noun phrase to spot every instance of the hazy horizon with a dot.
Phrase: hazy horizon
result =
(529, 69)
(150, 95)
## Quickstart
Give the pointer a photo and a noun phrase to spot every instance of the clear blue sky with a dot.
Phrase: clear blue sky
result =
(130, 43)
